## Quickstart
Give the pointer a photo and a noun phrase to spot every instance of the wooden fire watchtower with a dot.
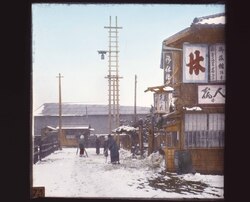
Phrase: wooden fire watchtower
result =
(113, 75)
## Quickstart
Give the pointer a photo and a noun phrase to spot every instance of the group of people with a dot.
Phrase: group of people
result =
(109, 144)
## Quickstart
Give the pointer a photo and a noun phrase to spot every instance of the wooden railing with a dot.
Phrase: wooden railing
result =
(44, 146)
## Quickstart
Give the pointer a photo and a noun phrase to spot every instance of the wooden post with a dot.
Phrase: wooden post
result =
(151, 133)
(140, 139)
(150, 142)
(135, 118)
(118, 140)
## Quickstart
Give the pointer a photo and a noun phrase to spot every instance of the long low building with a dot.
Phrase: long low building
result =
(80, 114)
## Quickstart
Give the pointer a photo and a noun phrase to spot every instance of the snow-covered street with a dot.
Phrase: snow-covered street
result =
(65, 174)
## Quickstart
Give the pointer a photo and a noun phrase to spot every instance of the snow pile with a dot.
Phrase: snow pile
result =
(155, 160)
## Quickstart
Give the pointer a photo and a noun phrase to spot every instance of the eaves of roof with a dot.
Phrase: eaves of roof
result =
(193, 28)
(178, 35)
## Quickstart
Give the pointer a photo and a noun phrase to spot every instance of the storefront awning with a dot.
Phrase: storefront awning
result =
(159, 89)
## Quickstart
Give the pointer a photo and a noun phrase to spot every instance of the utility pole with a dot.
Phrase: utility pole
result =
(60, 113)
(113, 74)
(87, 116)
(135, 100)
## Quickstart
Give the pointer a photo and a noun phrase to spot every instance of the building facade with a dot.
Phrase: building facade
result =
(191, 100)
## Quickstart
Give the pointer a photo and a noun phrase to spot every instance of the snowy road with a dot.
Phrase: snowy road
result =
(65, 174)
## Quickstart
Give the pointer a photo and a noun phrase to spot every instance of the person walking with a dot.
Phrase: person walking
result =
(81, 145)
(105, 147)
(97, 145)
(114, 150)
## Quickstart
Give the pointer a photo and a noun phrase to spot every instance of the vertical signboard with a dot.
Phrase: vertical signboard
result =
(211, 94)
(195, 63)
(161, 102)
(168, 67)
(217, 63)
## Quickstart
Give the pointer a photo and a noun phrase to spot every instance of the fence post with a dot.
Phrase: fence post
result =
(39, 151)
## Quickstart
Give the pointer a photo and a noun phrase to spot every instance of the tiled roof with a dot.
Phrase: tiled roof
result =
(79, 109)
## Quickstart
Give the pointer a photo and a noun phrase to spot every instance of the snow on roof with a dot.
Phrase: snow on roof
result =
(217, 19)
(168, 88)
(192, 108)
(124, 129)
(162, 88)
(81, 109)
(85, 127)
(205, 21)
(51, 128)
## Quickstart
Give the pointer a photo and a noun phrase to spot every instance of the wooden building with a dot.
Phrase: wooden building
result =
(71, 135)
(194, 68)
(80, 117)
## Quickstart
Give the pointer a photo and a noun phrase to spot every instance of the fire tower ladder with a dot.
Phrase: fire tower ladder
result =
(113, 74)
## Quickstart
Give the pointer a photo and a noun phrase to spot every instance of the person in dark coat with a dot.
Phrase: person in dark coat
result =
(97, 145)
(105, 147)
(81, 145)
(114, 150)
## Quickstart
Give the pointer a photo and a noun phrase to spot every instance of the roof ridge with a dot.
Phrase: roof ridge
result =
(87, 104)
(198, 19)
(83, 109)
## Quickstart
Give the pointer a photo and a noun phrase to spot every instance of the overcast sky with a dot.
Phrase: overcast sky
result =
(65, 39)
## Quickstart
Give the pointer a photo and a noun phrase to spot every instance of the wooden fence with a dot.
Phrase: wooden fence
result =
(44, 146)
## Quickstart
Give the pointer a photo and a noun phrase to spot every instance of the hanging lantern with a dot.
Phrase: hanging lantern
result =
(102, 54)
